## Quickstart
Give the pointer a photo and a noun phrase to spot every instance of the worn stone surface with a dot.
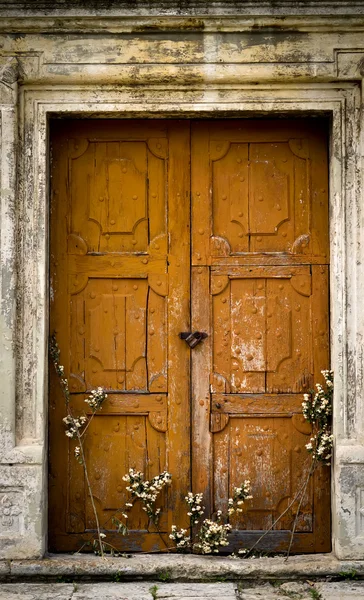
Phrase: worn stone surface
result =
(34, 591)
(187, 59)
(303, 591)
(186, 568)
(186, 7)
(274, 591)
(343, 590)
(210, 591)
(181, 591)
(120, 591)
(4, 569)
(113, 591)
(295, 587)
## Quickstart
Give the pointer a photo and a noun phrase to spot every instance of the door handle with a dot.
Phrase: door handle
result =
(192, 339)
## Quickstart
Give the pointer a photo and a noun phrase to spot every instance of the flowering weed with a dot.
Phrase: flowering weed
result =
(317, 410)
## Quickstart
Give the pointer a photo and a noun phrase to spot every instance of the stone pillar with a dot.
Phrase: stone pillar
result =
(348, 421)
(21, 470)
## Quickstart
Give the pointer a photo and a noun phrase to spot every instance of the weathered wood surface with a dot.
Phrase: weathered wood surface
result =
(120, 274)
(260, 226)
(120, 193)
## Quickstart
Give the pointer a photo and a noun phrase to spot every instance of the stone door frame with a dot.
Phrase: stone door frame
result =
(24, 133)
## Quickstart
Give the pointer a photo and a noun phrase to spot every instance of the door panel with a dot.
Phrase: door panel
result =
(129, 315)
(260, 289)
(261, 186)
(120, 292)
(263, 328)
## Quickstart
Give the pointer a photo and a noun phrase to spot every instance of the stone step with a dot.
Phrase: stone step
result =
(187, 568)
(345, 590)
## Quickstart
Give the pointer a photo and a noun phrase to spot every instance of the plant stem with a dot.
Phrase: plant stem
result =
(87, 478)
(119, 510)
(91, 495)
(66, 395)
(162, 538)
(278, 518)
(87, 426)
(313, 466)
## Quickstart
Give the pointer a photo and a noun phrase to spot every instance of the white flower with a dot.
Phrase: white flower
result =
(146, 491)
(96, 398)
(195, 508)
(211, 536)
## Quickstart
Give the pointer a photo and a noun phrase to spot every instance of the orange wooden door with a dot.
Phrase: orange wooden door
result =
(260, 289)
(120, 294)
(119, 264)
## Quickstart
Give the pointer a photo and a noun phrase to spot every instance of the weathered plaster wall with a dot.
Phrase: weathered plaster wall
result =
(190, 59)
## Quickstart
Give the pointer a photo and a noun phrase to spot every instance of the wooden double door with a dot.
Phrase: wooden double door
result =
(162, 227)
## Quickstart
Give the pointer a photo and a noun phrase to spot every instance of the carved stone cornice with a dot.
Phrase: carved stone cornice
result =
(350, 63)
(10, 70)
(148, 22)
(10, 73)
(184, 7)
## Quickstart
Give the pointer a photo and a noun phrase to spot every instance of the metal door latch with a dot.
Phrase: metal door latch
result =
(192, 339)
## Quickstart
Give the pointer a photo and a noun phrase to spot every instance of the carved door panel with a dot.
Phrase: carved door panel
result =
(119, 293)
(260, 265)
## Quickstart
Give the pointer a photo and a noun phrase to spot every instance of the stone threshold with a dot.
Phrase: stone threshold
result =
(168, 568)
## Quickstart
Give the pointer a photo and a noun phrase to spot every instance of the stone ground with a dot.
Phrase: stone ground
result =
(275, 590)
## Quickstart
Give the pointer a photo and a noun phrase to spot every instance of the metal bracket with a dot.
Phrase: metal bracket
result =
(192, 339)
